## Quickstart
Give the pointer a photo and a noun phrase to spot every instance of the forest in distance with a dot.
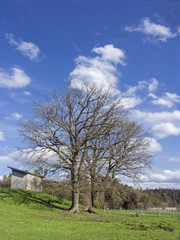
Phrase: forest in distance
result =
(111, 194)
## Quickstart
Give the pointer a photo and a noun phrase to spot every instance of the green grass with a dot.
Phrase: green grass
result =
(35, 216)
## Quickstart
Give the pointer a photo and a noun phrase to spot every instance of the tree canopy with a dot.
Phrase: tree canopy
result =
(87, 132)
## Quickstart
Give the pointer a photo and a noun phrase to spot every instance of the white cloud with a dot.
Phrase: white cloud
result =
(178, 30)
(8, 160)
(101, 70)
(154, 146)
(167, 100)
(135, 95)
(156, 32)
(166, 176)
(152, 95)
(153, 85)
(28, 49)
(163, 102)
(155, 117)
(133, 89)
(26, 93)
(2, 136)
(163, 130)
(17, 79)
(130, 102)
(14, 116)
(111, 54)
(174, 159)
(130, 98)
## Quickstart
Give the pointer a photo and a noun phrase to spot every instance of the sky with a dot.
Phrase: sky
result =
(132, 45)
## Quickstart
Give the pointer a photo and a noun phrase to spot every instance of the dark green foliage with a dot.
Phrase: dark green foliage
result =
(158, 196)
(110, 193)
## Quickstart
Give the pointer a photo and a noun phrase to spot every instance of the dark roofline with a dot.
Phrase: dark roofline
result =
(25, 171)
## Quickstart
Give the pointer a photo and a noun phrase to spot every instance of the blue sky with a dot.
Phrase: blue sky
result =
(133, 45)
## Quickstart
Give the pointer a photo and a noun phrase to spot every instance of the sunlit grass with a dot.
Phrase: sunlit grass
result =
(32, 219)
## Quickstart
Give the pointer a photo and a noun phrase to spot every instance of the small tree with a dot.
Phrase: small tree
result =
(123, 152)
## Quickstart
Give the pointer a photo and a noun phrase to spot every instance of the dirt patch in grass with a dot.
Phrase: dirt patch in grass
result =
(142, 227)
(165, 228)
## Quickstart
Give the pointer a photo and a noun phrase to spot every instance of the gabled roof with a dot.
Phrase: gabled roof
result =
(25, 171)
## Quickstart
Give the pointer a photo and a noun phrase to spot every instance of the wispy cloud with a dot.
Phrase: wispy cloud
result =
(163, 130)
(14, 116)
(174, 159)
(16, 79)
(130, 102)
(27, 93)
(27, 49)
(135, 95)
(8, 160)
(178, 30)
(167, 100)
(153, 85)
(2, 136)
(100, 70)
(153, 31)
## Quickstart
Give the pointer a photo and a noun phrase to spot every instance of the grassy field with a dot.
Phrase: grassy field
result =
(28, 215)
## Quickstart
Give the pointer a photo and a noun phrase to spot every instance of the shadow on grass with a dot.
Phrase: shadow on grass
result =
(19, 196)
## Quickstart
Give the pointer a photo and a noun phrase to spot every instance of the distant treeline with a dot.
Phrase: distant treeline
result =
(110, 193)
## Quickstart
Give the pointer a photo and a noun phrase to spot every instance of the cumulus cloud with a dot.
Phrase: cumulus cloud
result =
(27, 49)
(167, 100)
(166, 176)
(163, 130)
(154, 146)
(14, 116)
(155, 117)
(2, 136)
(155, 32)
(111, 54)
(101, 70)
(17, 78)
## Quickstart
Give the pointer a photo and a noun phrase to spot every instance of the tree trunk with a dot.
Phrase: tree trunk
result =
(75, 190)
(93, 193)
(92, 198)
(75, 201)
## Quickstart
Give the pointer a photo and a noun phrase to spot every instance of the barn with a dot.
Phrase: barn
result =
(25, 180)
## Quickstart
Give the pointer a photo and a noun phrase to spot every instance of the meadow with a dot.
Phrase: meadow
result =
(29, 215)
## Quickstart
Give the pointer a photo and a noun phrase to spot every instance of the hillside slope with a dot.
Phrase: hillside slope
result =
(33, 199)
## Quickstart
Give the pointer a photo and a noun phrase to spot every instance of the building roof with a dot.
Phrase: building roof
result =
(25, 171)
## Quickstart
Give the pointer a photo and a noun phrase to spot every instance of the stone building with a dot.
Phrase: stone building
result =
(25, 180)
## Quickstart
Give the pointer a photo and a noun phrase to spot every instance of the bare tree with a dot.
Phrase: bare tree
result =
(125, 151)
(81, 131)
(64, 125)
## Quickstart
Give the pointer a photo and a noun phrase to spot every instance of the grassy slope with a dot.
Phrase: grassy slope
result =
(29, 215)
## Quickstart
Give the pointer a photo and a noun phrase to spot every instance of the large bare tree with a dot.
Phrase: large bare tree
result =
(72, 130)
